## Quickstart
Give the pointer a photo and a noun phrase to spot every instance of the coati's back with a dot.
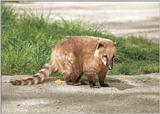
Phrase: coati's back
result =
(77, 43)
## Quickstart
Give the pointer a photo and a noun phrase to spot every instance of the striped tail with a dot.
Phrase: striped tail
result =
(37, 78)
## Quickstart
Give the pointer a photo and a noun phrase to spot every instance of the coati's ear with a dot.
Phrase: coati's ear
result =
(100, 45)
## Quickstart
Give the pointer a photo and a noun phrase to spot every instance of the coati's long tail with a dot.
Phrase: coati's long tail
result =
(37, 78)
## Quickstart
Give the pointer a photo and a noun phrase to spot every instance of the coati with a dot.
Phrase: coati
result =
(75, 56)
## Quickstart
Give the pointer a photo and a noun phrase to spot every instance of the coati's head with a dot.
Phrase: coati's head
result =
(105, 51)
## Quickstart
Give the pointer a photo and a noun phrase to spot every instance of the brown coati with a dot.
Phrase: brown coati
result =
(76, 56)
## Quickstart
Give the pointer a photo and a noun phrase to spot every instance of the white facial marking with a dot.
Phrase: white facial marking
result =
(104, 60)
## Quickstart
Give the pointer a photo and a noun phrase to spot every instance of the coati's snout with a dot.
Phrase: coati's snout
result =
(108, 62)
(106, 52)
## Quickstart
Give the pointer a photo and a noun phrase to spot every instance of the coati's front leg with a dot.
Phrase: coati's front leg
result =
(101, 77)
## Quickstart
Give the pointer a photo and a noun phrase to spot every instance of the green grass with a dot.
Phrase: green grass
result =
(27, 43)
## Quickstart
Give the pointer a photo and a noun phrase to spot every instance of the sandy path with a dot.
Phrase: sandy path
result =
(126, 94)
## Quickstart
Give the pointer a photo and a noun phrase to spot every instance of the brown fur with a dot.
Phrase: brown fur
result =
(75, 56)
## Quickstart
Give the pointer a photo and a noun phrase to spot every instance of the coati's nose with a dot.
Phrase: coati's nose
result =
(109, 67)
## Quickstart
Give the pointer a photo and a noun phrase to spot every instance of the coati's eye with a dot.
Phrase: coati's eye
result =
(105, 56)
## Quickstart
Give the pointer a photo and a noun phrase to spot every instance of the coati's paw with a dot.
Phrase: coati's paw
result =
(94, 86)
(80, 83)
(83, 82)
(77, 84)
(74, 83)
(104, 85)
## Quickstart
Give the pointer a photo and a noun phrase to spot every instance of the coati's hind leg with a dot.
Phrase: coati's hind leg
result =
(92, 80)
(80, 82)
(72, 79)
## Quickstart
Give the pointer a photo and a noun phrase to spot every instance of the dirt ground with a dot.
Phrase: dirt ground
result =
(126, 94)
(119, 18)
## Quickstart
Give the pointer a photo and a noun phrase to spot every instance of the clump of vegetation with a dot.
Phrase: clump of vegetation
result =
(27, 43)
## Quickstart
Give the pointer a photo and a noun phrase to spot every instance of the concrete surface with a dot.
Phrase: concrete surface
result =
(119, 18)
(126, 94)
